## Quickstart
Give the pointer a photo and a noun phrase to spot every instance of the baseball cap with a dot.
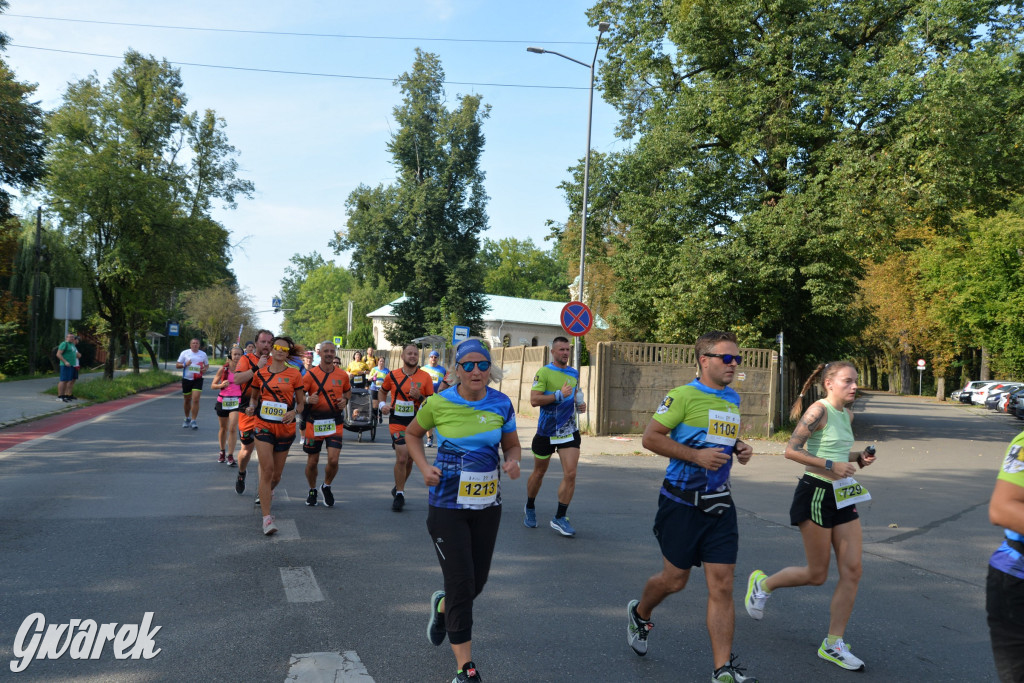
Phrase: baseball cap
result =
(435, 354)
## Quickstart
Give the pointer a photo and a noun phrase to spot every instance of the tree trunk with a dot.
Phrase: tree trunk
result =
(906, 381)
(985, 372)
(940, 387)
(108, 367)
(152, 354)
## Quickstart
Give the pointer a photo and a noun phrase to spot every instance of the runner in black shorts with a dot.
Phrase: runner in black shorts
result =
(193, 363)
(697, 428)
(823, 442)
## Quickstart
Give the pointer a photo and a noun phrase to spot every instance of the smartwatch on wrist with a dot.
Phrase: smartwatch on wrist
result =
(828, 465)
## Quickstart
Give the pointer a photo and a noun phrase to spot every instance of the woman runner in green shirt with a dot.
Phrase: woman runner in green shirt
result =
(823, 507)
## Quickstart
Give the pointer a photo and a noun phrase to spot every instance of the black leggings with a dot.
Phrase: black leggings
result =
(1005, 607)
(464, 542)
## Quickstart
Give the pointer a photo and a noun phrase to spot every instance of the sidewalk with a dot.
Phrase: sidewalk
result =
(24, 400)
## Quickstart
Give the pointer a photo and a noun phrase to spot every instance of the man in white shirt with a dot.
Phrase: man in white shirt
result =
(193, 363)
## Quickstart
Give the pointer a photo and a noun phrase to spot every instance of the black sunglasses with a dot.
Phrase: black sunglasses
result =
(468, 366)
(727, 358)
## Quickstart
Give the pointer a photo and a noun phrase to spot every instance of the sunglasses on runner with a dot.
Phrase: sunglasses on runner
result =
(278, 347)
(727, 358)
(468, 366)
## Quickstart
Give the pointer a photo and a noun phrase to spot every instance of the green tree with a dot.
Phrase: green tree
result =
(218, 311)
(421, 234)
(514, 267)
(779, 148)
(321, 306)
(294, 275)
(136, 213)
(21, 133)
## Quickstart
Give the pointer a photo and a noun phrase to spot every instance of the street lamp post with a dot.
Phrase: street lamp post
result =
(601, 28)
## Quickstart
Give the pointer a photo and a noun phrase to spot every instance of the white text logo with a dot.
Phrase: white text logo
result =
(81, 639)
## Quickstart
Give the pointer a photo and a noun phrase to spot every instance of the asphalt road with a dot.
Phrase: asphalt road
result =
(129, 513)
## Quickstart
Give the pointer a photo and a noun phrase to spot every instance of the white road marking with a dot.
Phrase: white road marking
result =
(300, 585)
(17, 448)
(327, 667)
(286, 530)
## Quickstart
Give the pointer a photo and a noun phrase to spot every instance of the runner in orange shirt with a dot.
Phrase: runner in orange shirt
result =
(244, 372)
(275, 399)
(408, 387)
(327, 392)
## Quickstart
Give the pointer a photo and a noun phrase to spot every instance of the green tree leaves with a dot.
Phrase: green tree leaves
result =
(135, 212)
(420, 235)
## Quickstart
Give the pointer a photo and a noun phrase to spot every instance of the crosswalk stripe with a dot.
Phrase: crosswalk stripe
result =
(300, 585)
(320, 667)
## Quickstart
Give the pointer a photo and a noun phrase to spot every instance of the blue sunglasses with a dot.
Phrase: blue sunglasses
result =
(727, 358)
(469, 365)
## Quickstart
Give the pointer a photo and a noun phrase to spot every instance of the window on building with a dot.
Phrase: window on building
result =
(506, 340)
(534, 342)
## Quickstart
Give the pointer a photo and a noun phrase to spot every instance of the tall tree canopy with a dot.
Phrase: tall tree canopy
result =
(132, 177)
(779, 147)
(420, 234)
(514, 267)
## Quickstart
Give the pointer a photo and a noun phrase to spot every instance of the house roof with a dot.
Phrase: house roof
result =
(508, 309)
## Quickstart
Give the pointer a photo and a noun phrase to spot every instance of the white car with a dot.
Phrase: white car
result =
(979, 396)
(967, 393)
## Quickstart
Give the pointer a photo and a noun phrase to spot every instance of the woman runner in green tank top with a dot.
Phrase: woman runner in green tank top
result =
(823, 441)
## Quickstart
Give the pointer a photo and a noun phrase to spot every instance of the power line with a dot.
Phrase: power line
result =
(304, 35)
(300, 73)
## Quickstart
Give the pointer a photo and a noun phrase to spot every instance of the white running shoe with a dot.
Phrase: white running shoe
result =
(195, 425)
(186, 424)
(839, 654)
(269, 528)
(756, 596)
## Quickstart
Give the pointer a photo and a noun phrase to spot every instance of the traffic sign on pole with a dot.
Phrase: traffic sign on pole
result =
(920, 363)
(576, 318)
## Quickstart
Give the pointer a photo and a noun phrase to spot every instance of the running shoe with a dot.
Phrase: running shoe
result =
(637, 630)
(529, 518)
(430, 440)
(435, 627)
(269, 528)
(469, 674)
(195, 425)
(231, 461)
(186, 424)
(240, 483)
(328, 496)
(72, 398)
(221, 458)
(756, 596)
(60, 399)
(66, 399)
(839, 654)
(311, 498)
(562, 526)
(731, 673)
(398, 503)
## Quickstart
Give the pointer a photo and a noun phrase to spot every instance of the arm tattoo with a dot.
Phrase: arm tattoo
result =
(814, 419)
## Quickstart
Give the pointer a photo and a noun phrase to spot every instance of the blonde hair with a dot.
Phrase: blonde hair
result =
(827, 372)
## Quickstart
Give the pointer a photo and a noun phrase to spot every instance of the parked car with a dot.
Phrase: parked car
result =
(979, 396)
(1016, 406)
(996, 399)
(1007, 401)
(967, 393)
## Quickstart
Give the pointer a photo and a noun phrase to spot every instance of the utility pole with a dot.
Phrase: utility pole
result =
(38, 252)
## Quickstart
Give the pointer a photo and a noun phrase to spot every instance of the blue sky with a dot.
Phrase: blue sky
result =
(307, 141)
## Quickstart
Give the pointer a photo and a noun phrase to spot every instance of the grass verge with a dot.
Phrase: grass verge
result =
(100, 390)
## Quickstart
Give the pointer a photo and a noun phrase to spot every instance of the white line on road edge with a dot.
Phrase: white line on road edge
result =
(335, 667)
(300, 585)
(17, 448)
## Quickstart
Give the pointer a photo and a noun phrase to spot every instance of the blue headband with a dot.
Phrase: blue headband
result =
(471, 346)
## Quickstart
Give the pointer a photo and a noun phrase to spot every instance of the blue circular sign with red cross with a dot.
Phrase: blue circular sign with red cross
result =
(576, 318)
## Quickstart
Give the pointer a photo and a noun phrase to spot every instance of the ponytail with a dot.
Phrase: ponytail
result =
(798, 405)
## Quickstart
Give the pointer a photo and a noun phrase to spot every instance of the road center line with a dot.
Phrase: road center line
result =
(300, 585)
(316, 667)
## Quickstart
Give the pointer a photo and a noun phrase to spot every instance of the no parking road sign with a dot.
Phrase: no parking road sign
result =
(576, 318)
